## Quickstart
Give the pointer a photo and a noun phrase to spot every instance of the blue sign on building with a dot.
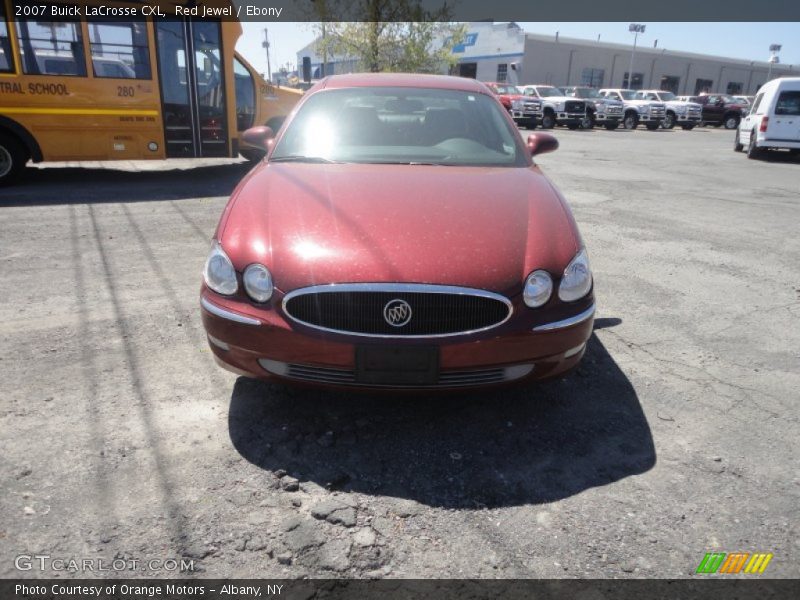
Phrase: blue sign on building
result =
(469, 40)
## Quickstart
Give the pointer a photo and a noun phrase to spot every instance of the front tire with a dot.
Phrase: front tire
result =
(12, 158)
(669, 121)
(631, 121)
(548, 120)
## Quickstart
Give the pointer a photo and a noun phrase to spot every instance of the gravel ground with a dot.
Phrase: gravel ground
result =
(678, 434)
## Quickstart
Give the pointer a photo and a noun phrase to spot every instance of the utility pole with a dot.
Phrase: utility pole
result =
(265, 45)
(773, 58)
(636, 29)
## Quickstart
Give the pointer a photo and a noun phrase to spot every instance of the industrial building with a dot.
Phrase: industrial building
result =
(503, 52)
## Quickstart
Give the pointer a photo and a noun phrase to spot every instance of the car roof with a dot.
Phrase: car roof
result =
(444, 82)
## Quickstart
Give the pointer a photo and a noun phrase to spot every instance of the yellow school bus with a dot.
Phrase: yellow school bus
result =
(125, 86)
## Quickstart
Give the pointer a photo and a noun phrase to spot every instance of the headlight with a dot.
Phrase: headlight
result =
(560, 106)
(681, 109)
(516, 104)
(577, 280)
(538, 287)
(258, 282)
(219, 273)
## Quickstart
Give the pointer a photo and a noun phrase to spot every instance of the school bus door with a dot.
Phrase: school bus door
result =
(192, 78)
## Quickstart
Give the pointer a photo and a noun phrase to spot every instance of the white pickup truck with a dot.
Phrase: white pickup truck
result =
(638, 110)
(679, 112)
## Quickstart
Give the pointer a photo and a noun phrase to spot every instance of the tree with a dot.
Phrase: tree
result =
(396, 35)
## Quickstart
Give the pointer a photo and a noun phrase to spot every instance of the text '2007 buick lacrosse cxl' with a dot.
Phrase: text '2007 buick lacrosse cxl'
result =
(398, 235)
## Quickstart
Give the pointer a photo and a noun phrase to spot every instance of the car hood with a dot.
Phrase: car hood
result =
(650, 103)
(681, 103)
(477, 227)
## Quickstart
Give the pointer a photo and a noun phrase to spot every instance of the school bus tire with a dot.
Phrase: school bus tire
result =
(13, 156)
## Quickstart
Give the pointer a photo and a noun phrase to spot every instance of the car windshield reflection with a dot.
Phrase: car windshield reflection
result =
(401, 125)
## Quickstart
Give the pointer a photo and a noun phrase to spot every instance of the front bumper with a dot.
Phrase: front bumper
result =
(524, 115)
(687, 118)
(261, 343)
(565, 118)
(607, 118)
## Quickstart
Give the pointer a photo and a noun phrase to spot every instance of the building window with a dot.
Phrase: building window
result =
(734, 87)
(593, 77)
(502, 73)
(51, 47)
(6, 62)
(670, 83)
(636, 84)
(119, 49)
(703, 85)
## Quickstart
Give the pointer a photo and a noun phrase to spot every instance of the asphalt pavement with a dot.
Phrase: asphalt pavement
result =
(677, 436)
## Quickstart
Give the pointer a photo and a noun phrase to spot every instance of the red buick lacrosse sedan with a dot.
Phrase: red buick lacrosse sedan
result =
(398, 235)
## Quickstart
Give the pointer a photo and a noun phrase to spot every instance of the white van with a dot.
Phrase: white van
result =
(774, 119)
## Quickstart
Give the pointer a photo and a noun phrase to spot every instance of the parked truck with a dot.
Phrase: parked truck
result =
(606, 112)
(525, 111)
(679, 112)
(637, 110)
(557, 108)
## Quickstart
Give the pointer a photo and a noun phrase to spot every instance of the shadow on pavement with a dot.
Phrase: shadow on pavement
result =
(522, 445)
(77, 185)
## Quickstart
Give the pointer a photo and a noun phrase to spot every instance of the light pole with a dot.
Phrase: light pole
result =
(265, 45)
(636, 29)
(773, 58)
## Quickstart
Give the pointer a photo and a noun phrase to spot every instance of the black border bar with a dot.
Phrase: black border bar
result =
(465, 10)
(744, 587)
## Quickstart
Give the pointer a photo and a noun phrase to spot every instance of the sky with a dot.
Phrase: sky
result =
(748, 41)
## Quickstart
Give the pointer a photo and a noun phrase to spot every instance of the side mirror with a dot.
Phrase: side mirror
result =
(258, 137)
(541, 143)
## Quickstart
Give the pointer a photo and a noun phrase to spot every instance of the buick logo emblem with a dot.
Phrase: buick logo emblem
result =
(397, 312)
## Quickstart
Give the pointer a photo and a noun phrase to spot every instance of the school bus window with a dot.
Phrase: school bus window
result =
(245, 95)
(51, 48)
(6, 62)
(119, 49)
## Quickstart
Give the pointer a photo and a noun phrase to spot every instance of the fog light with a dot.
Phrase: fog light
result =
(218, 343)
(274, 366)
(516, 372)
(573, 351)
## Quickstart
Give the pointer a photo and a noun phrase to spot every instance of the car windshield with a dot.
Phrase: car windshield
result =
(546, 92)
(628, 94)
(508, 89)
(400, 126)
(584, 93)
(667, 96)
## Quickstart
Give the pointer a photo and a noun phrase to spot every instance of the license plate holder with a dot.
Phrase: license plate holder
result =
(397, 365)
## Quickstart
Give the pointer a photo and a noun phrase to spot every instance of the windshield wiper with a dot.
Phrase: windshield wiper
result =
(303, 158)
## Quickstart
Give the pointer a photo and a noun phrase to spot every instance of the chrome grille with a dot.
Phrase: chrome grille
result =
(359, 309)
(531, 106)
(657, 111)
(615, 109)
(447, 378)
